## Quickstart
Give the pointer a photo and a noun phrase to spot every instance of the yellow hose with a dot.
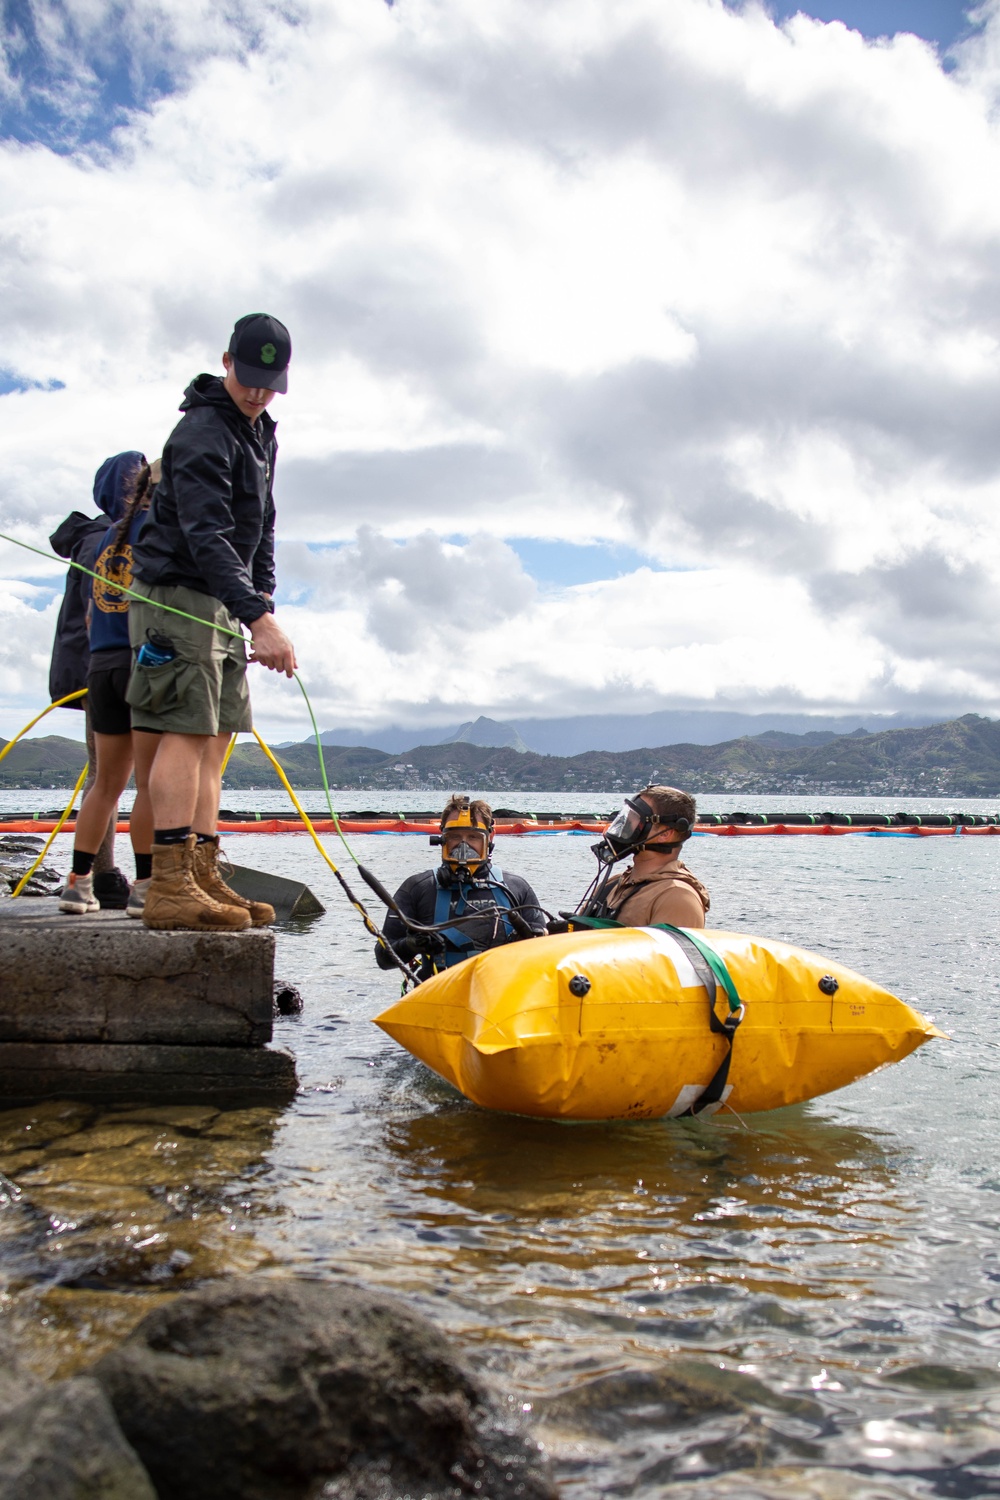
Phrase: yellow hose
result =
(48, 843)
(358, 907)
(57, 704)
(232, 747)
(296, 803)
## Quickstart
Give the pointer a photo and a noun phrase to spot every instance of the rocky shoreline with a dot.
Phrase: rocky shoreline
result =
(268, 1388)
(18, 853)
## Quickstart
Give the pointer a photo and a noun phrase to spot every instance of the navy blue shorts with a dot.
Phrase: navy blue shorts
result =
(109, 712)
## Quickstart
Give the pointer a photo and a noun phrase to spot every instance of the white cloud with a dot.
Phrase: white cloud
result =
(669, 275)
(409, 630)
(421, 595)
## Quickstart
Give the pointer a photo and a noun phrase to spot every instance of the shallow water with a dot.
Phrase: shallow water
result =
(806, 1306)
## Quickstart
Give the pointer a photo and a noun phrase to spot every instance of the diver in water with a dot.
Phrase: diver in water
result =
(473, 904)
(656, 887)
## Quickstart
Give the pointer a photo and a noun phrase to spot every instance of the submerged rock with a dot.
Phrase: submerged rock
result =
(781, 1483)
(65, 1444)
(15, 1384)
(682, 1392)
(287, 999)
(265, 1389)
(940, 1377)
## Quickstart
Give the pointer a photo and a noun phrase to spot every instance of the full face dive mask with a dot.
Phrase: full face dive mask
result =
(632, 828)
(464, 852)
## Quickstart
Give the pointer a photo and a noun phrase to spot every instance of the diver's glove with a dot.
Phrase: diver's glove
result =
(429, 945)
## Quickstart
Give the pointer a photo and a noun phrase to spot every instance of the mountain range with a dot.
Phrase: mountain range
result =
(960, 758)
(574, 735)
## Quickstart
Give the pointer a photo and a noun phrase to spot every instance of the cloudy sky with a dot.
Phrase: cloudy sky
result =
(645, 353)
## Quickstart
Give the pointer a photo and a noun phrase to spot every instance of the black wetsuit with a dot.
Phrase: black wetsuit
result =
(436, 895)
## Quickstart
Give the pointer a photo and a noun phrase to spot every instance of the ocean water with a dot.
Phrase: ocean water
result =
(805, 1303)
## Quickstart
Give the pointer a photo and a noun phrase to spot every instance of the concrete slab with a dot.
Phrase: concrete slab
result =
(229, 1077)
(108, 979)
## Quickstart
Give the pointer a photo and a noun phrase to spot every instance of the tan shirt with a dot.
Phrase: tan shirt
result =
(671, 895)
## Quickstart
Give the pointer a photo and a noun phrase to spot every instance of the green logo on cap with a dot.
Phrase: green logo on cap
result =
(268, 354)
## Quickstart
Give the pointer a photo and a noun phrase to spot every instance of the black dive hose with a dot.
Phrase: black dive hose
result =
(593, 895)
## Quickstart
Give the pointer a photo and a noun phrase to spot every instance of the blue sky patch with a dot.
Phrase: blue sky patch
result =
(69, 89)
(563, 564)
(940, 21)
(9, 382)
(77, 76)
(47, 591)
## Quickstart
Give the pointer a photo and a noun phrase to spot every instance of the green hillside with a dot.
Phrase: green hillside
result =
(960, 758)
(957, 759)
(49, 761)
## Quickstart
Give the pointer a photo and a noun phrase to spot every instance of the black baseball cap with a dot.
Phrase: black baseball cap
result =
(261, 348)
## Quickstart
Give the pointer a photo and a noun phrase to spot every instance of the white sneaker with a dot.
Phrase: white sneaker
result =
(78, 897)
(137, 897)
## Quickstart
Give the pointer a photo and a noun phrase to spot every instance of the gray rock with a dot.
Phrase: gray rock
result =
(15, 1384)
(287, 1000)
(267, 1389)
(64, 1444)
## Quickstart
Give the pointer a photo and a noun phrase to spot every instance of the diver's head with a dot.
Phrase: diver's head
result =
(466, 836)
(658, 819)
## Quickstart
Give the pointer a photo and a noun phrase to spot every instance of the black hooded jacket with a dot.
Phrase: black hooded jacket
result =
(79, 539)
(211, 524)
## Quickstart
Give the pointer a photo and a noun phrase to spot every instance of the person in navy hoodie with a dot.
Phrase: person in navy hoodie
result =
(119, 749)
(79, 538)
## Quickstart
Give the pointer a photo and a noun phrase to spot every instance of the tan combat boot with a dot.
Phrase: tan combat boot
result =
(175, 900)
(206, 873)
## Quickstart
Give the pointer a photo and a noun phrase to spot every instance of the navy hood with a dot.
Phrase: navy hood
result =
(112, 481)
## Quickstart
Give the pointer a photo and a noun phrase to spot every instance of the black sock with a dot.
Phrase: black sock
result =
(83, 863)
(143, 866)
(171, 835)
(207, 838)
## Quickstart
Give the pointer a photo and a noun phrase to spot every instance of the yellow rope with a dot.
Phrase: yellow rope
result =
(48, 845)
(57, 704)
(232, 747)
(296, 803)
(358, 906)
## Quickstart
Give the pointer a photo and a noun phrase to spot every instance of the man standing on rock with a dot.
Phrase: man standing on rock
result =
(207, 548)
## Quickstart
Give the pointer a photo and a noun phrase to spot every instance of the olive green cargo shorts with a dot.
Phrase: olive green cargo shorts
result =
(204, 689)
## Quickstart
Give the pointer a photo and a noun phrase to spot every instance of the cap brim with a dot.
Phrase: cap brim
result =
(258, 378)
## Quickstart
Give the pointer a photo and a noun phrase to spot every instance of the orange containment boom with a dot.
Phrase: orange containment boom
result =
(728, 824)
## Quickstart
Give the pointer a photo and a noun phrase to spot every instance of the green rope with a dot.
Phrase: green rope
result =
(322, 772)
(715, 962)
(224, 630)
